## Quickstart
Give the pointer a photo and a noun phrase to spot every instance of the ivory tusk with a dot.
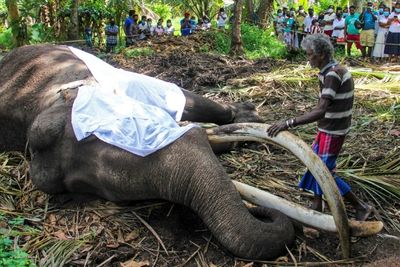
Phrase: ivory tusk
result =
(258, 132)
(302, 214)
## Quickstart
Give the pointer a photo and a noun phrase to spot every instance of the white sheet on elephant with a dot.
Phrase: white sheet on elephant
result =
(124, 112)
(146, 89)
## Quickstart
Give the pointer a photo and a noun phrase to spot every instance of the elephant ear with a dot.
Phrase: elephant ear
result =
(48, 126)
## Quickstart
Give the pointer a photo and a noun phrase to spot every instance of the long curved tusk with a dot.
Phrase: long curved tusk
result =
(302, 214)
(258, 132)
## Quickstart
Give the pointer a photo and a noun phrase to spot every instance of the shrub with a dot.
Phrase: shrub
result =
(6, 39)
(256, 43)
(138, 52)
(12, 257)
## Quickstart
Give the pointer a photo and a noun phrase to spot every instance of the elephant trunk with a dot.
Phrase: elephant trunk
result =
(221, 208)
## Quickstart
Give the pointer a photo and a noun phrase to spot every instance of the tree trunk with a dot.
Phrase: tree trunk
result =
(236, 44)
(250, 10)
(18, 28)
(74, 30)
(359, 5)
(264, 12)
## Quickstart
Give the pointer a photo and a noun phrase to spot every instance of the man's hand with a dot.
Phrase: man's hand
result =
(276, 128)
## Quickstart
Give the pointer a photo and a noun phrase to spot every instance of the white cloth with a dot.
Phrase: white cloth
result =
(379, 47)
(129, 110)
(338, 23)
(395, 25)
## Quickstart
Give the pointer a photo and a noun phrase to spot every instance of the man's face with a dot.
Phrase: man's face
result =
(314, 59)
(352, 10)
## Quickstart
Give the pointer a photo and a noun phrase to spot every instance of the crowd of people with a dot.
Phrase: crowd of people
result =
(136, 29)
(375, 31)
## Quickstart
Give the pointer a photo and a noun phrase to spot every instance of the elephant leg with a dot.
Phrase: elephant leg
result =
(46, 130)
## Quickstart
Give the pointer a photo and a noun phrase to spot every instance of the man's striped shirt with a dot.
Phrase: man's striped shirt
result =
(337, 85)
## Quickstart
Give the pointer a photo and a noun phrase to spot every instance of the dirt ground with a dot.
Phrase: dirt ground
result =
(163, 234)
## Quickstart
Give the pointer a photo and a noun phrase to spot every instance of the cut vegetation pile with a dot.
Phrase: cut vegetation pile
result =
(99, 233)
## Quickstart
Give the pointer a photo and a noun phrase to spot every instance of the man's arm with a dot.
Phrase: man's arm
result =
(314, 115)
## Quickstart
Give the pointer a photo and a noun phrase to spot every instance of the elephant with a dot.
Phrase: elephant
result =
(39, 86)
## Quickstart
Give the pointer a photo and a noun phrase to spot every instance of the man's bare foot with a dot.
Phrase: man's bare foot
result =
(363, 212)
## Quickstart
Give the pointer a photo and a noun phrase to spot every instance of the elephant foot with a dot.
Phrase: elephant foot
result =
(245, 112)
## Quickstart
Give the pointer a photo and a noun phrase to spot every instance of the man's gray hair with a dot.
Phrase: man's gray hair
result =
(319, 43)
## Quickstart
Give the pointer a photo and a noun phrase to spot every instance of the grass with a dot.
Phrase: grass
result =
(138, 52)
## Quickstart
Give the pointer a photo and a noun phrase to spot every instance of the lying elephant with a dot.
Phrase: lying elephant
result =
(37, 93)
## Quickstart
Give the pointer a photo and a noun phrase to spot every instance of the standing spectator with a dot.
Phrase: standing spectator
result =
(200, 25)
(149, 28)
(338, 28)
(288, 35)
(285, 10)
(135, 29)
(333, 114)
(169, 29)
(142, 28)
(321, 16)
(206, 22)
(159, 30)
(379, 14)
(186, 26)
(379, 48)
(279, 24)
(111, 36)
(308, 20)
(300, 18)
(367, 35)
(88, 36)
(128, 27)
(352, 33)
(392, 47)
(329, 17)
(221, 18)
(193, 22)
(315, 28)
(381, 8)
(345, 12)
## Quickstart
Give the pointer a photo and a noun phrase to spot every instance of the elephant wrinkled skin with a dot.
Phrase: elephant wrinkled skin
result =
(36, 104)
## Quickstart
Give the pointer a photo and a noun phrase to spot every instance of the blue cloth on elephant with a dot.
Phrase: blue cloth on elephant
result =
(327, 147)
(134, 112)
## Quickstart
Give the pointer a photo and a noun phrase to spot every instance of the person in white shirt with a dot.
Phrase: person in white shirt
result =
(142, 27)
(221, 18)
(338, 26)
(169, 29)
(159, 30)
(383, 29)
(392, 46)
(150, 28)
(329, 17)
(308, 20)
